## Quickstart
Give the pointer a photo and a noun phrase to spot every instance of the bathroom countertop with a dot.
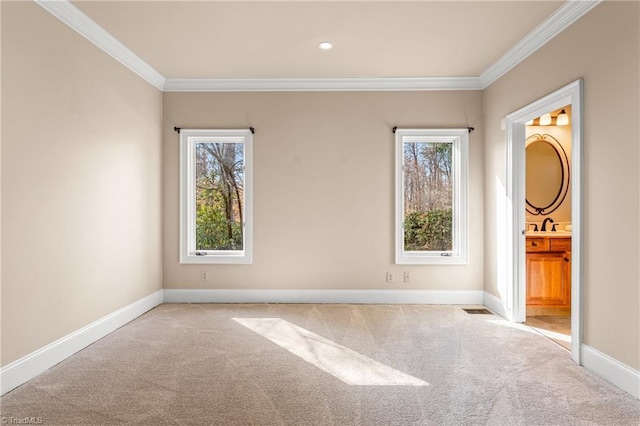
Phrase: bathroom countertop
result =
(549, 234)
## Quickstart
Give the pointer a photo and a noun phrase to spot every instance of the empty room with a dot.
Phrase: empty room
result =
(320, 212)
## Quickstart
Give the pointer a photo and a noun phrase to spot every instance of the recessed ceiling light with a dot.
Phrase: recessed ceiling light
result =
(325, 45)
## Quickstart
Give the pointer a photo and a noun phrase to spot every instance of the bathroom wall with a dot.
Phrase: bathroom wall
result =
(563, 135)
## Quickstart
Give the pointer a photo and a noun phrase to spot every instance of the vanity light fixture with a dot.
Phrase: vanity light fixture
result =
(545, 119)
(529, 123)
(562, 119)
(326, 45)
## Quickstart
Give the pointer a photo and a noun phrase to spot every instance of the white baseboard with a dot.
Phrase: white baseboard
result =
(27, 367)
(436, 297)
(495, 304)
(612, 370)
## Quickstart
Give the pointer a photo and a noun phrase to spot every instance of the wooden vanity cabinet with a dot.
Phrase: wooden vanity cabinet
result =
(549, 271)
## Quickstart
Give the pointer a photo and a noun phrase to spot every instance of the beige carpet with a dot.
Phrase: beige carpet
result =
(194, 364)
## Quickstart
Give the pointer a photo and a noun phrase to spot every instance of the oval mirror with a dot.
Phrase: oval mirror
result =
(547, 174)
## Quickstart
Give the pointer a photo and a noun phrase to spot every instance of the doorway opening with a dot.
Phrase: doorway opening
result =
(544, 255)
(548, 226)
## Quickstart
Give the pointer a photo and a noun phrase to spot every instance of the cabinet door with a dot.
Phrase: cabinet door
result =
(548, 279)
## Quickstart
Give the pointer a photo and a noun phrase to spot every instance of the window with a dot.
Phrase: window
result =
(215, 196)
(431, 196)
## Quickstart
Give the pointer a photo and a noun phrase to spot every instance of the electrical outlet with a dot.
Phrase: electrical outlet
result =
(407, 276)
(390, 277)
(204, 275)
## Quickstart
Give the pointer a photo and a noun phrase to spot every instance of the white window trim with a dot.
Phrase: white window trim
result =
(460, 140)
(188, 138)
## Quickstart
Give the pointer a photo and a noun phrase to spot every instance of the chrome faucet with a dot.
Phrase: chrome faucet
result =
(544, 224)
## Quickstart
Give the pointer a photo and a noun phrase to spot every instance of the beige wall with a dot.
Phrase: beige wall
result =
(81, 176)
(603, 49)
(323, 187)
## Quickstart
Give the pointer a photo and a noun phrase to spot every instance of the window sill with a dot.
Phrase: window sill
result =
(431, 260)
(216, 259)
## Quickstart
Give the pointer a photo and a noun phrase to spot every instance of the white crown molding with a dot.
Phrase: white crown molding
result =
(566, 15)
(85, 26)
(405, 297)
(322, 84)
(557, 22)
(28, 367)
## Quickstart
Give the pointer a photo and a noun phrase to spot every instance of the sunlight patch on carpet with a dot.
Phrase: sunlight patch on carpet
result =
(530, 329)
(341, 362)
(553, 334)
(510, 324)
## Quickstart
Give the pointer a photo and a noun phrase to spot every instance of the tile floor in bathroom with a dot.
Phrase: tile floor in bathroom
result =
(557, 328)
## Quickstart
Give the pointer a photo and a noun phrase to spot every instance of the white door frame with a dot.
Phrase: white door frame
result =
(515, 232)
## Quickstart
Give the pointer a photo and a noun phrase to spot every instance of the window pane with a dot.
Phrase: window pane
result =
(428, 196)
(219, 196)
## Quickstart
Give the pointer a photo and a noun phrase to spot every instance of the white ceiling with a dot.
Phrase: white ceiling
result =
(280, 39)
(273, 45)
